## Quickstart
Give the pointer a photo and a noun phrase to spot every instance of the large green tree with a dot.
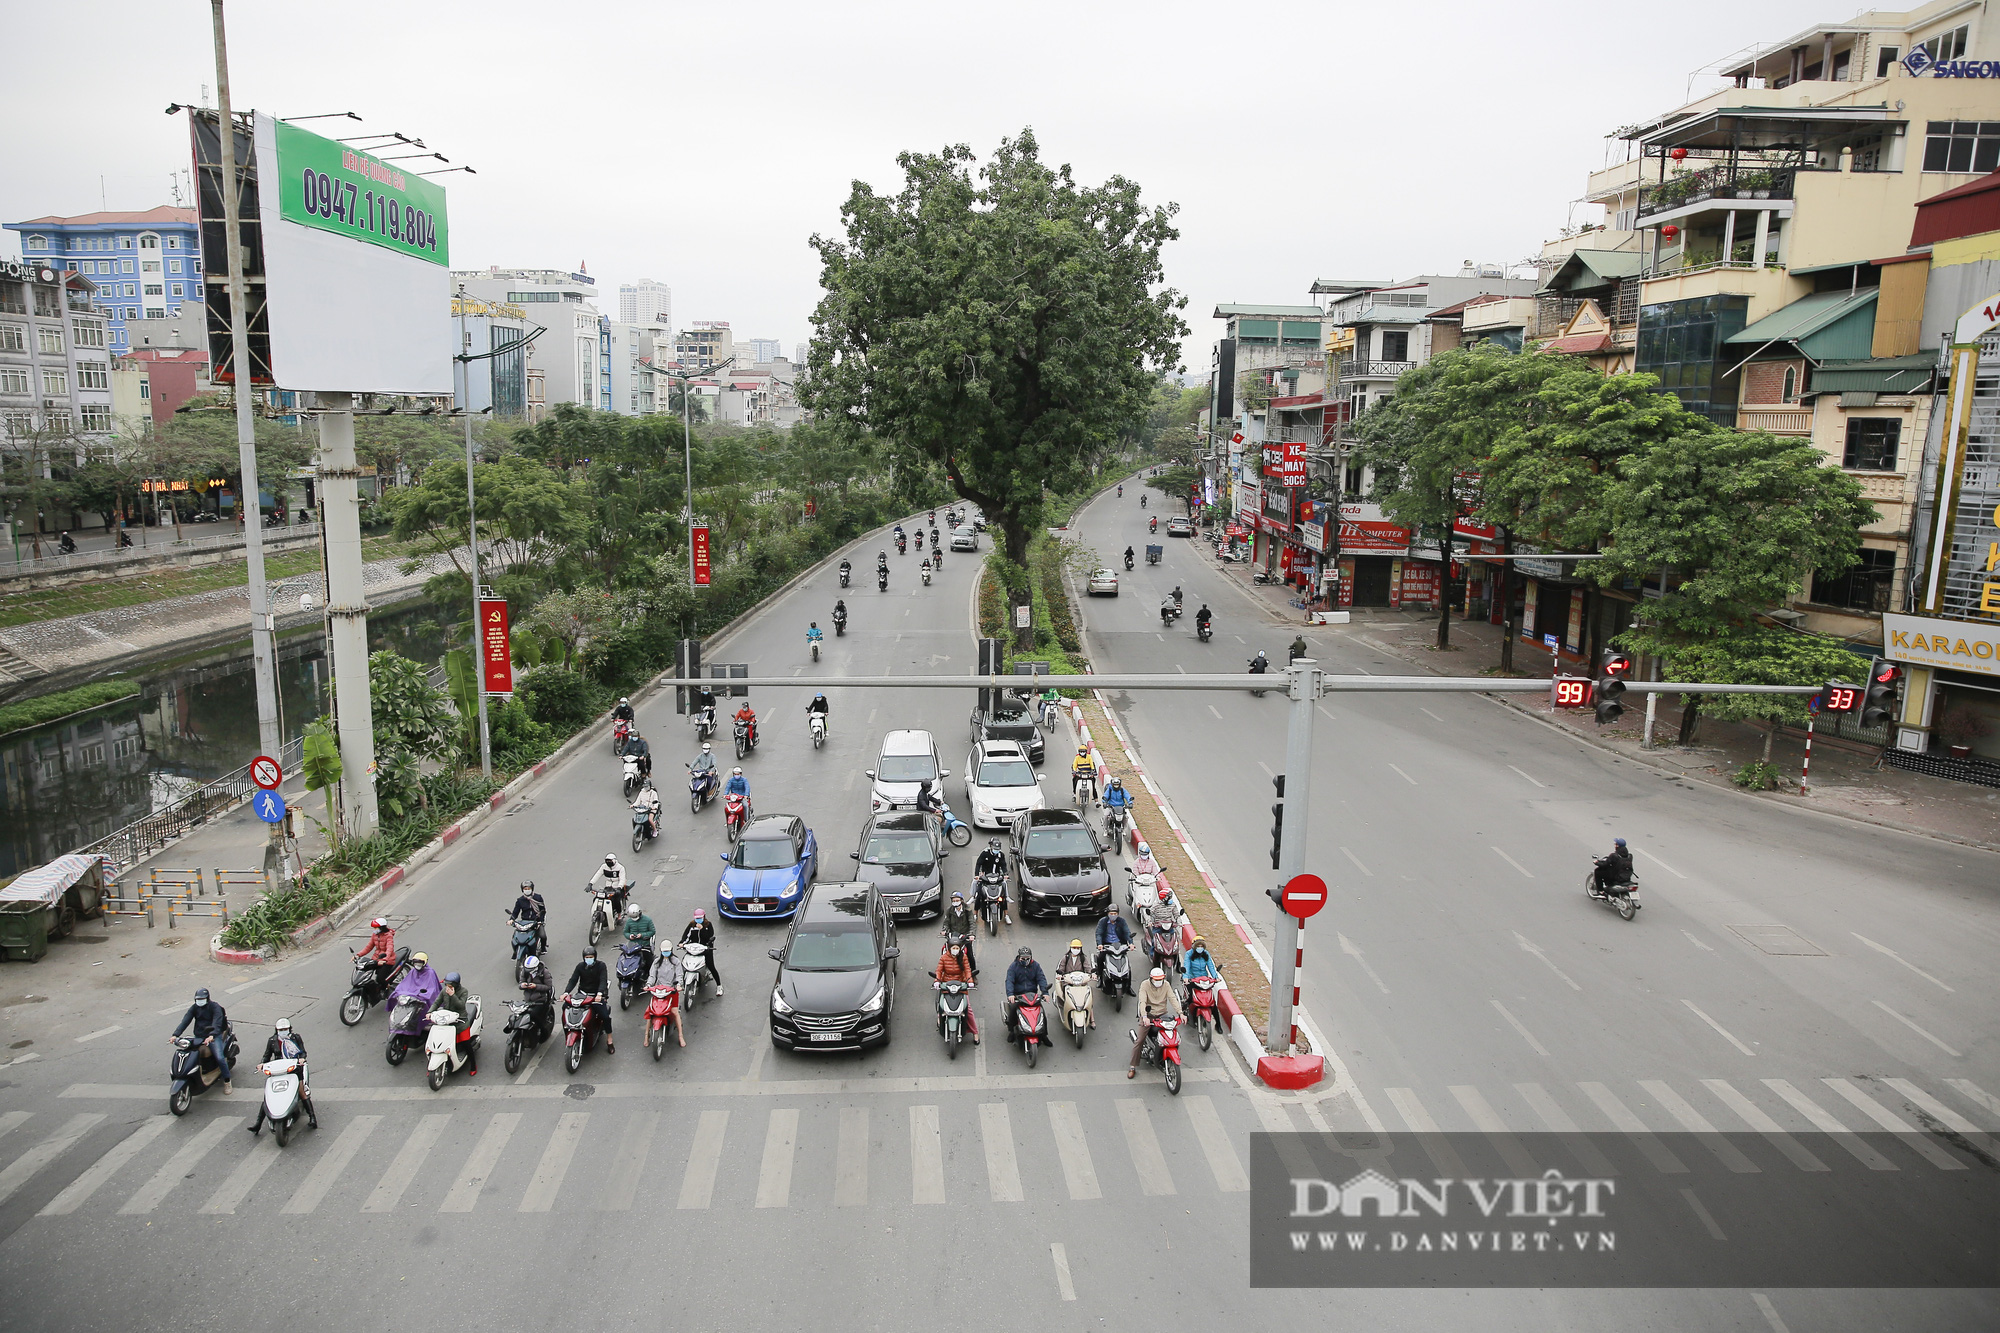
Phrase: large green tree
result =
(1007, 323)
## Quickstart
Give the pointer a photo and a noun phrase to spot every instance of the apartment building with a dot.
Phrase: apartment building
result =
(569, 362)
(706, 344)
(494, 331)
(55, 376)
(631, 351)
(143, 265)
(647, 303)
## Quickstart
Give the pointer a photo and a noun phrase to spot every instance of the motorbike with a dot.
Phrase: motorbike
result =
(1115, 819)
(745, 742)
(1153, 524)
(634, 960)
(926, 572)
(530, 937)
(1258, 667)
(1117, 975)
(662, 1003)
(814, 645)
(1203, 631)
(1142, 894)
(1202, 1005)
(603, 911)
(816, 724)
(414, 996)
(702, 787)
(956, 830)
(1128, 562)
(194, 1070)
(694, 957)
(1153, 554)
(1075, 990)
(446, 1050)
(989, 898)
(284, 1096)
(704, 725)
(1084, 788)
(1169, 613)
(954, 999)
(1163, 942)
(371, 982)
(845, 573)
(937, 560)
(1031, 1026)
(619, 731)
(529, 1024)
(882, 579)
(1264, 577)
(1162, 1050)
(919, 535)
(735, 814)
(839, 626)
(580, 1027)
(644, 830)
(902, 546)
(1624, 898)
(633, 779)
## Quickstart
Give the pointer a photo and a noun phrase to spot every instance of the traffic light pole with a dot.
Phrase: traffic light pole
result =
(1303, 689)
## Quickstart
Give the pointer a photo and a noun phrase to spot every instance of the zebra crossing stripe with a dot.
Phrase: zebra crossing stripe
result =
(1144, 1145)
(1214, 1140)
(1557, 1121)
(1074, 1151)
(850, 1167)
(774, 1173)
(549, 1172)
(1753, 1116)
(1697, 1124)
(472, 1177)
(1918, 1142)
(1820, 1120)
(180, 1165)
(24, 1167)
(409, 1160)
(634, 1146)
(926, 1156)
(1003, 1170)
(331, 1165)
(244, 1178)
(87, 1184)
(698, 1180)
(1633, 1128)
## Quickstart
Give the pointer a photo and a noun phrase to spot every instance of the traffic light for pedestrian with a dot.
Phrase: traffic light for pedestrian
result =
(1278, 821)
(1613, 670)
(1878, 703)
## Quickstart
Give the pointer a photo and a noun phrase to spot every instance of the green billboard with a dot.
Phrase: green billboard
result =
(328, 186)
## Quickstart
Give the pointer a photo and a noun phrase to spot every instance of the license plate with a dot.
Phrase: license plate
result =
(1070, 911)
(824, 1036)
(753, 907)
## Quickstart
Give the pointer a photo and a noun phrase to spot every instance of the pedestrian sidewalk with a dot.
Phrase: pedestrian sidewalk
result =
(1847, 780)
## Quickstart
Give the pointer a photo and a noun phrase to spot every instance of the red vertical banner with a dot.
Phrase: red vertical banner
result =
(496, 656)
(698, 538)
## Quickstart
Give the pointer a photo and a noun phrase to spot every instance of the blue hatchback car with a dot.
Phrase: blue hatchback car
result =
(768, 871)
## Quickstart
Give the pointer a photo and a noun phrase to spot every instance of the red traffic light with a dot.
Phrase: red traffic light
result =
(1886, 673)
(1616, 664)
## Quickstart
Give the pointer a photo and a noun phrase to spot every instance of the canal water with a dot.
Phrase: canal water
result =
(68, 784)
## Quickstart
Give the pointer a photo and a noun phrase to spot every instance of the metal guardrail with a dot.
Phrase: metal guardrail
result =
(115, 555)
(128, 846)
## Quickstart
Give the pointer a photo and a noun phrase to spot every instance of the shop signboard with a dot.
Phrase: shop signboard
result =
(1956, 645)
(1313, 536)
(1363, 529)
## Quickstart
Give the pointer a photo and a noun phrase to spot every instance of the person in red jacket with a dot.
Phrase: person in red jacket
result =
(381, 946)
(953, 965)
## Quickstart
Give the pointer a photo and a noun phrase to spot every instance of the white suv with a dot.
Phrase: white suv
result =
(909, 759)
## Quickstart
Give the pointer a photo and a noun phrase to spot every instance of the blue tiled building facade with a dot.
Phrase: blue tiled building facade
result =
(145, 265)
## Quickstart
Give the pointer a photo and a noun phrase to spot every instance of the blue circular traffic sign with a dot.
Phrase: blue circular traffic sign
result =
(270, 806)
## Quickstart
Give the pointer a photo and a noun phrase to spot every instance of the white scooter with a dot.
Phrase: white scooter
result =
(632, 778)
(284, 1100)
(443, 1050)
(926, 570)
(1142, 893)
(694, 957)
(1073, 989)
(817, 722)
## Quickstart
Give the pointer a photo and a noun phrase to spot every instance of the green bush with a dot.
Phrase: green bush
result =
(1758, 777)
(559, 698)
(518, 740)
(38, 712)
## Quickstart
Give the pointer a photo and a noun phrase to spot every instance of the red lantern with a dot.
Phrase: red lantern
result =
(1679, 154)
(1670, 231)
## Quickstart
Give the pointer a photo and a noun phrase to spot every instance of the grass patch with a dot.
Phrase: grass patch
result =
(40, 711)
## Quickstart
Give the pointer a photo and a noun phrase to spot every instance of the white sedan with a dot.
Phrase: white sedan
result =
(1000, 784)
(1103, 583)
(963, 540)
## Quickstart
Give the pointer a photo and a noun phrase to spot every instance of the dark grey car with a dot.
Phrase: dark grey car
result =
(902, 854)
(836, 982)
(1059, 866)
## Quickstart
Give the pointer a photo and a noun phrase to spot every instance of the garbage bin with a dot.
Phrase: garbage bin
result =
(24, 931)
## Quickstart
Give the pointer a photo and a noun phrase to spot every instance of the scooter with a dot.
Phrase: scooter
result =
(446, 1049)
(1258, 666)
(194, 1069)
(603, 911)
(529, 1024)
(814, 645)
(1142, 893)
(1117, 976)
(619, 731)
(633, 780)
(735, 814)
(694, 957)
(1075, 990)
(643, 828)
(580, 1027)
(816, 724)
(839, 626)
(371, 982)
(1162, 1050)
(926, 572)
(1202, 1004)
(662, 1003)
(1624, 898)
(882, 579)
(1169, 613)
(1031, 1026)
(845, 574)
(284, 1099)
(919, 535)
(1115, 819)
(1083, 788)
(1128, 563)
(702, 787)
(1203, 631)
(1163, 942)
(414, 996)
(1153, 524)
(956, 830)
(954, 1000)
(530, 937)
(989, 896)
(704, 725)
(902, 546)
(745, 742)
(633, 960)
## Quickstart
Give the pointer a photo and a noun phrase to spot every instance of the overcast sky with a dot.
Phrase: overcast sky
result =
(703, 144)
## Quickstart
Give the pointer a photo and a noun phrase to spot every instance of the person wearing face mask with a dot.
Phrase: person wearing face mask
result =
(211, 1029)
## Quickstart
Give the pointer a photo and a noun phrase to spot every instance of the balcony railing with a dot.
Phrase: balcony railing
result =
(1780, 421)
(1374, 370)
(1723, 181)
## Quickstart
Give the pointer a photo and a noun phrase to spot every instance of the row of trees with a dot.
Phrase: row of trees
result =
(1730, 522)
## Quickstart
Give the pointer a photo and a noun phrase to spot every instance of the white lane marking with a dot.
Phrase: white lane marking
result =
(549, 1172)
(659, 879)
(1003, 1171)
(1696, 1123)
(1487, 1121)
(13, 1120)
(1726, 1034)
(704, 1155)
(1526, 1035)
(926, 1156)
(1697, 942)
(1063, 1283)
(535, 1061)
(774, 1173)
(1329, 716)
(1558, 1122)
(1144, 1145)
(1911, 1025)
(850, 1169)
(31, 1055)
(1214, 1140)
(478, 1168)
(87, 1184)
(1267, 769)
(409, 1160)
(1404, 776)
(1707, 1218)
(1529, 946)
(757, 1062)
(871, 715)
(1214, 713)
(1883, 948)
(1753, 1116)
(1161, 637)
(1353, 950)
(848, 784)
(1971, 1091)
(1240, 639)
(1525, 872)
(178, 1167)
(1178, 667)
(1357, 862)
(1765, 1308)
(979, 1061)
(1435, 718)
(263, 979)
(1071, 1147)
(101, 1032)
(1632, 1127)
(1819, 1119)
(1918, 1141)
(1538, 784)
(634, 1146)
(331, 1165)
(1949, 1118)
(262, 1157)
(1661, 864)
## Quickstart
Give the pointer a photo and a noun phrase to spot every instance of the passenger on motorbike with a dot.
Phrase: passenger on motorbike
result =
(1199, 963)
(611, 875)
(1074, 961)
(1156, 1001)
(700, 930)
(960, 920)
(456, 998)
(649, 799)
(1025, 980)
(1616, 868)
(956, 965)
(1111, 929)
(818, 704)
(1143, 863)
(285, 1044)
(211, 1029)
(637, 747)
(590, 978)
(748, 717)
(666, 972)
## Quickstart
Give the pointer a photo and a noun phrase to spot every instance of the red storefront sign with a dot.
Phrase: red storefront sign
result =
(1420, 583)
(1365, 536)
(698, 538)
(496, 657)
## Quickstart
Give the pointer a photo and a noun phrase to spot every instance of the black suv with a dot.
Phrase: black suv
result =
(1059, 866)
(1012, 719)
(836, 980)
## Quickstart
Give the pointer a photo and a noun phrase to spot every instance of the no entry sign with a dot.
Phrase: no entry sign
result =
(1303, 895)
(265, 772)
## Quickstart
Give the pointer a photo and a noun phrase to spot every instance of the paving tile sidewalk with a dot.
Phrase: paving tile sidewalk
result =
(1847, 780)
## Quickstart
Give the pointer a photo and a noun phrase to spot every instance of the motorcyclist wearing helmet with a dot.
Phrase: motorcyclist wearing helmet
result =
(813, 634)
(700, 930)
(1025, 980)
(1143, 863)
(738, 785)
(930, 798)
(1076, 961)
(639, 930)
(590, 979)
(611, 875)
(638, 747)
(649, 801)
(381, 947)
(960, 920)
(840, 611)
(285, 1044)
(818, 704)
(955, 964)
(1260, 663)
(1616, 868)
(992, 861)
(1202, 617)
(529, 905)
(1198, 963)
(623, 712)
(1156, 1001)
(538, 988)
(1083, 767)
(881, 560)
(705, 761)
(666, 972)
(748, 717)
(461, 1002)
(1116, 796)
(211, 1029)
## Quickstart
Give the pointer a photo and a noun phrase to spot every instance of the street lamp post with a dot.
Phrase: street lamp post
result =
(687, 452)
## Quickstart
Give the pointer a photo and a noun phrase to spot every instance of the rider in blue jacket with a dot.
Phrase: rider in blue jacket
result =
(738, 785)
(1025, 978)
(1199, 963)
(1111, 929)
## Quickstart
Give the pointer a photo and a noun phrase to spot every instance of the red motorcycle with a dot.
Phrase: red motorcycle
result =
(735, 814)
(1204, 1007)
(1153, 524)
(662, 1003)
(1162, 1050)
(1031, 1026)
(581, 1027)
(619, 731)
